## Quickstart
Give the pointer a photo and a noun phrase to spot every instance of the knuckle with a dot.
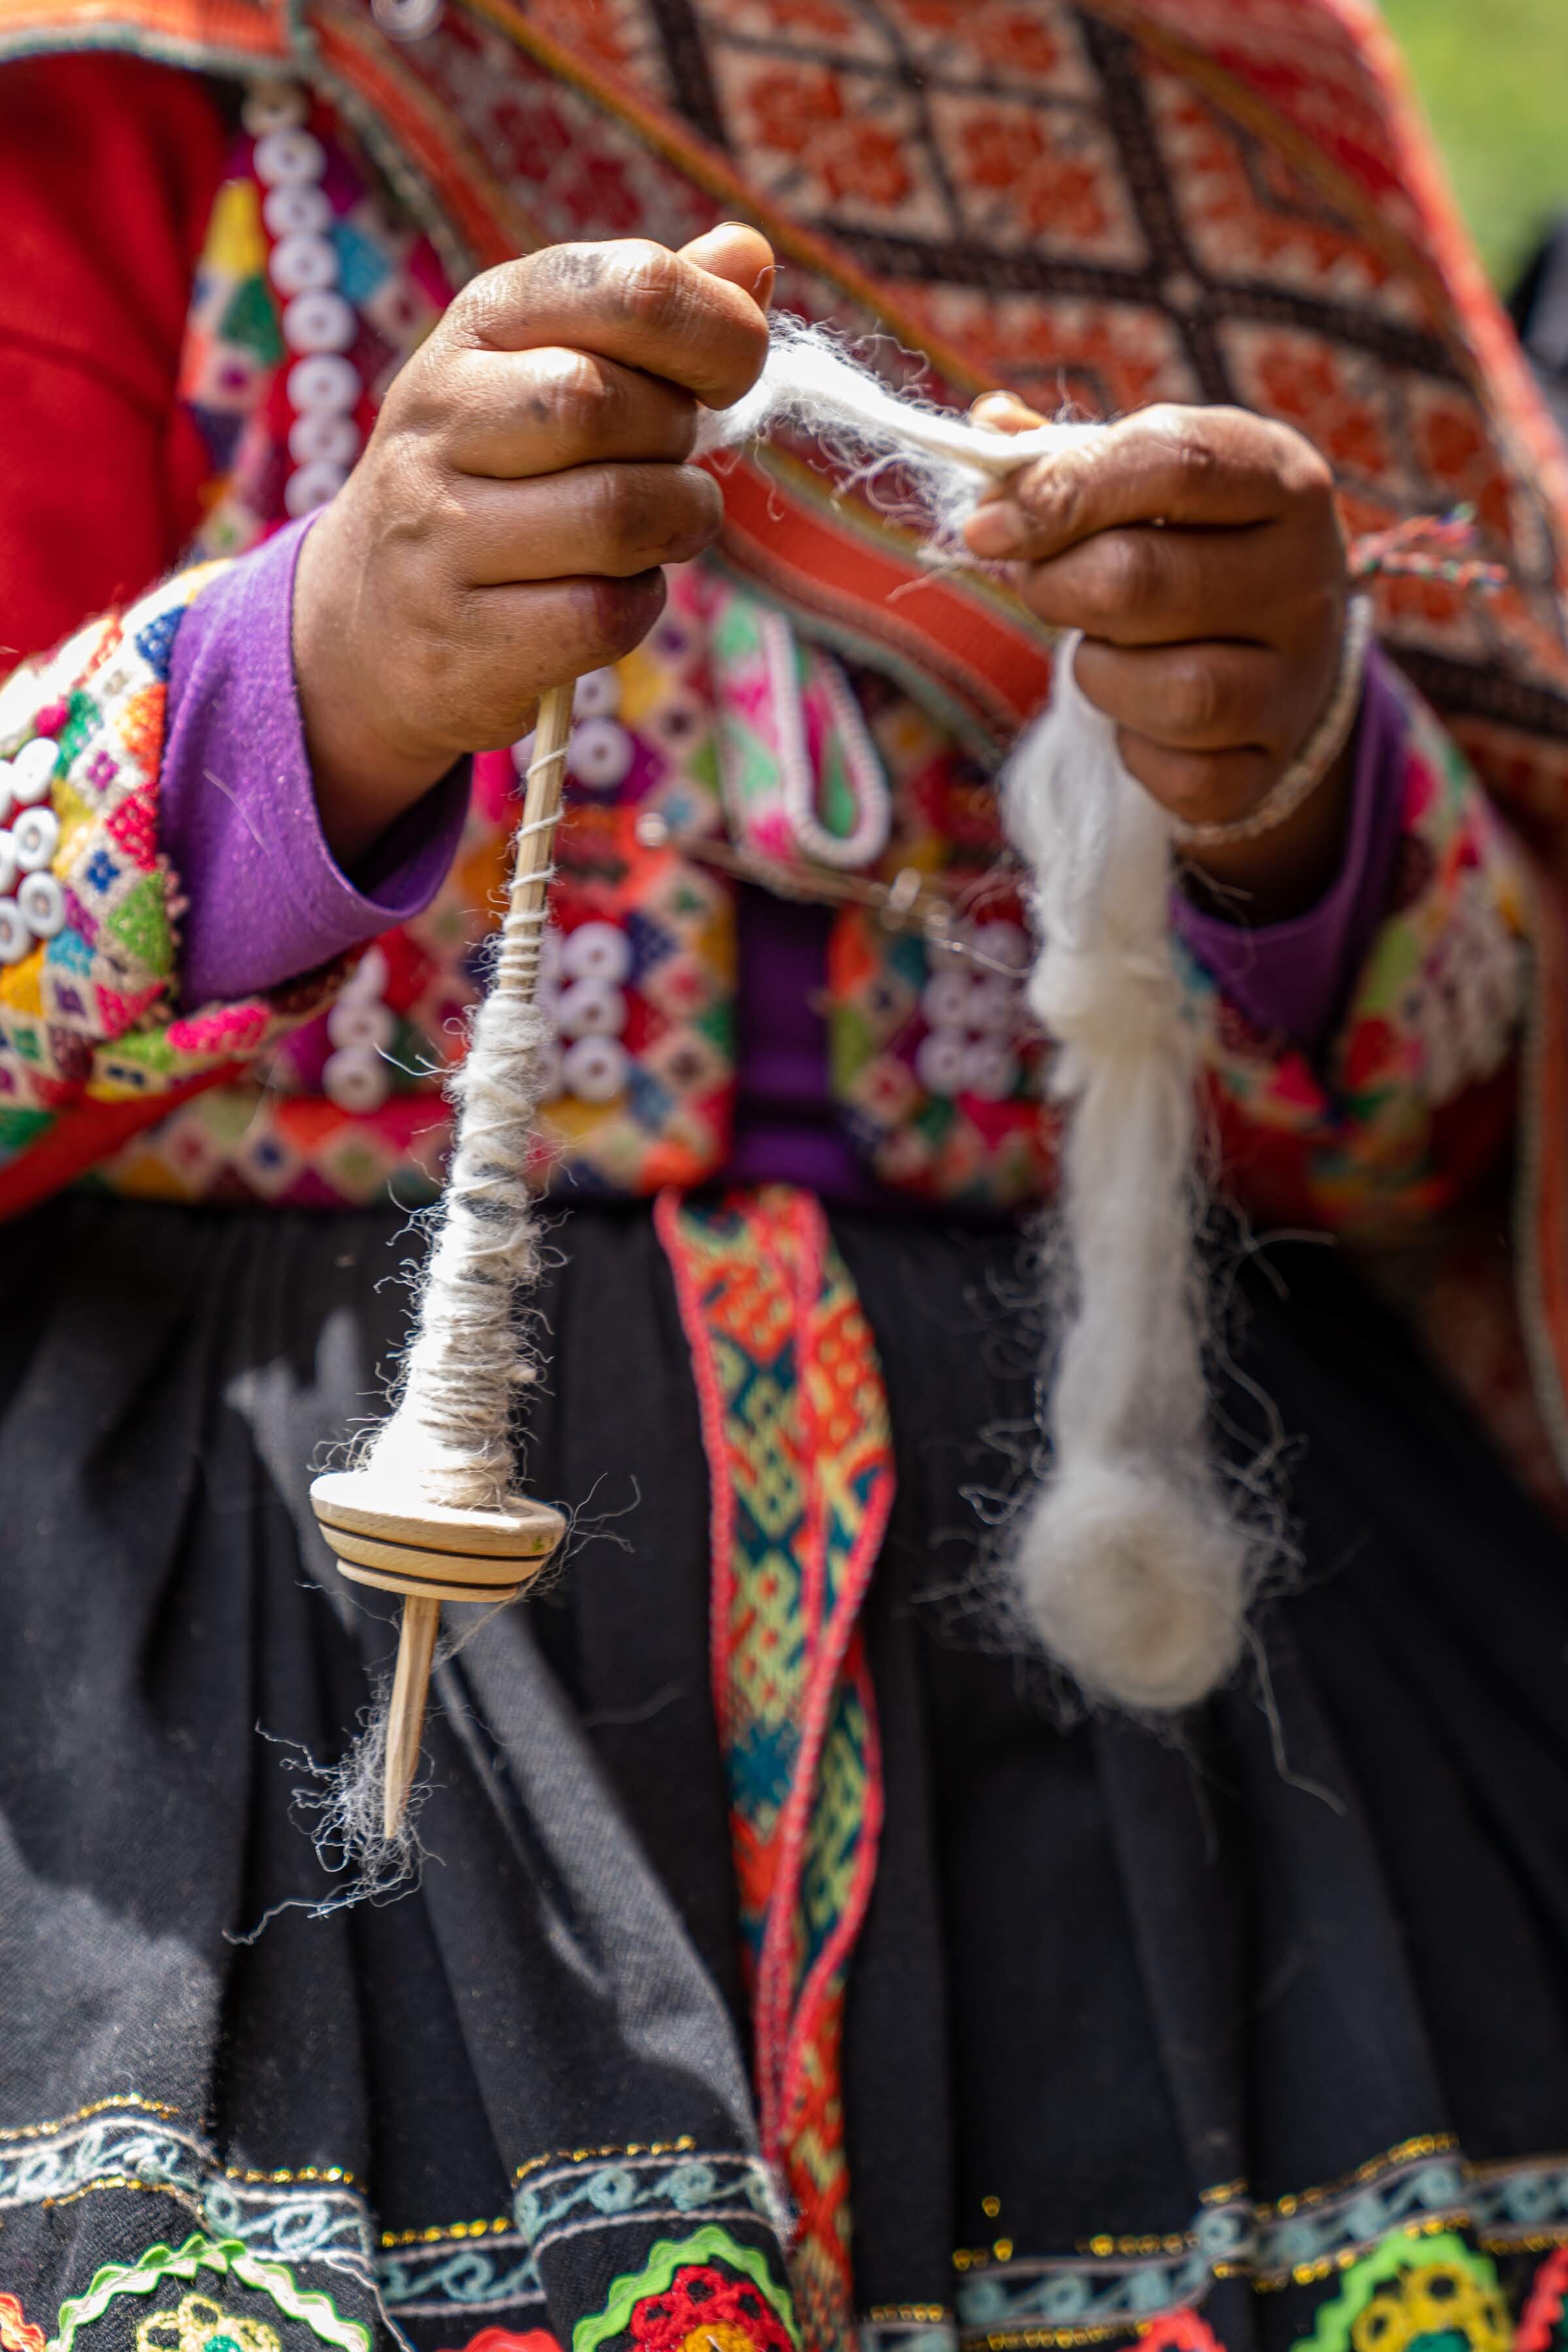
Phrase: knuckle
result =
(1052, 497)
(475, 313)
(1193, 456)
(580, 397)
(1304, 473)
(611, 616)
(1200, 788)
(1196, 697)
(657, 514)
(649, 287)
(1132, 573)
(618, 511)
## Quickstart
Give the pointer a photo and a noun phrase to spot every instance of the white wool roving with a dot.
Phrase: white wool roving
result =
(1130, 1562)
(1132, 1566)
(809, 385)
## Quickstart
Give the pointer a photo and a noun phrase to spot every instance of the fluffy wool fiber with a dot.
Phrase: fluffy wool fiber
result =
(1130, 1562)
(809, 385)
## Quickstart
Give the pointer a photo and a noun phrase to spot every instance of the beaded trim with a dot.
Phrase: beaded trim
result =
(1312, 762)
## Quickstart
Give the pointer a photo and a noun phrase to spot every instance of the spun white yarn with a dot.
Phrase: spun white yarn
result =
(1133, 1570)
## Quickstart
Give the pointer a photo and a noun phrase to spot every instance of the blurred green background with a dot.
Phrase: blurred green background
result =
(1493, 77)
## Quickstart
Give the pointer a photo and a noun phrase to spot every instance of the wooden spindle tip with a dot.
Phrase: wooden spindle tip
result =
(428, 1552)
(405, 1710)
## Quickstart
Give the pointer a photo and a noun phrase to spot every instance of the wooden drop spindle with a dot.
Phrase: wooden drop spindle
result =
(426, 1551)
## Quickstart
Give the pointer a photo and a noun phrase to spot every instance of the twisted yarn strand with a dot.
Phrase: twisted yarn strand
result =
(450, 1438)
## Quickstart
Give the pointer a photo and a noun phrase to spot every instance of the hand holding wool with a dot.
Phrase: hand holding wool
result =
(1133, 1567)
(505, 527)
(1200, 552)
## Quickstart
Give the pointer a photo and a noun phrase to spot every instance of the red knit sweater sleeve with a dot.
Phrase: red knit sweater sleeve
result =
(108, 171)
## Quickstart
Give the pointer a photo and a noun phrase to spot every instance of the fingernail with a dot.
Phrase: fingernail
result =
(999, 528)
(763, 292)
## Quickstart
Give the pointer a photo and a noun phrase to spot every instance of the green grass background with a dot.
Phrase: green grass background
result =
(1493, 77)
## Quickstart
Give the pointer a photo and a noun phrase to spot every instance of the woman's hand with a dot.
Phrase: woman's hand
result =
(504, 530)
(1199, 549)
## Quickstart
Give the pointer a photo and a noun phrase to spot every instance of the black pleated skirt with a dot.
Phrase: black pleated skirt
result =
(1135, 2018)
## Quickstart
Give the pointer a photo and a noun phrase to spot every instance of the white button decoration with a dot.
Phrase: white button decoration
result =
(595, 1069)
(356, 1079)
(323, 436)
(944, 999)
(272, 106)
(990, 1069)
(370, 975)
(406, 20)
(596, 951)
(33, 770)
(939, 1061)
(597, 694)
(43, 905)
(302, 262)
(591, 1008)
(993, 1003)
(16, 938)
(36, 836)
(318, 321)
(285, 157)
(975, 1011)
(601, 754)
(360, 1021)
(312, 487)
(298, 207)
(7, 797)
(9, 869)
(323, 384)
(1002, 942)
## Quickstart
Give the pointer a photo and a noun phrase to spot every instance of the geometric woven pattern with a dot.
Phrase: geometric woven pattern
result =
(795, 1428)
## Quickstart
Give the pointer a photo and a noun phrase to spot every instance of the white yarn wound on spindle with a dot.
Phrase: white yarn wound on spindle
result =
(1133, 1566)
(450, 1439)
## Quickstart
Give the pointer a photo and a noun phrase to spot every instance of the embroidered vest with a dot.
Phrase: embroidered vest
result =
(1092, 211)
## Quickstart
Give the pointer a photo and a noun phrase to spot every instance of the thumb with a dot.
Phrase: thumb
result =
(741, 255)
(1004, 411)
